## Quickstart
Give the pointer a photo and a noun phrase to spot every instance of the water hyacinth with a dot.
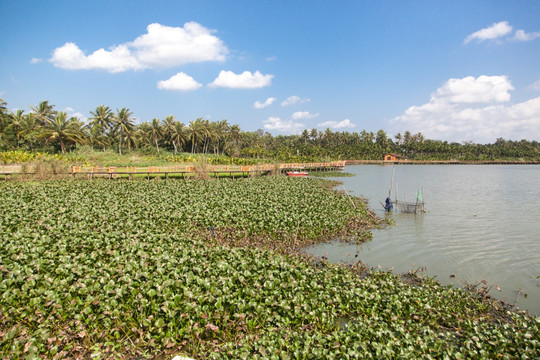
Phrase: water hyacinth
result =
(109, 269)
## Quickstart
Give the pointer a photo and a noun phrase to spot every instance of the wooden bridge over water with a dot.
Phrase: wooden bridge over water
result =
(190, 171)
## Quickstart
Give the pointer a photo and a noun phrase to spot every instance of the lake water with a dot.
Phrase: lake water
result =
(482, 223)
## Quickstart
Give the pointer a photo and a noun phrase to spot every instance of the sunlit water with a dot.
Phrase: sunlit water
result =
(482, 223)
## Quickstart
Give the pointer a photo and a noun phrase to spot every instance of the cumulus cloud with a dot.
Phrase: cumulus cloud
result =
(303, 115)
(474, 90)
(521, 35)
(245, 80)
(287, 126)
(35, 60)
(161, 46)
(179, 82)
(266, 103)
(292, 100)
(457, 112)
(492, 32)
(337, 125)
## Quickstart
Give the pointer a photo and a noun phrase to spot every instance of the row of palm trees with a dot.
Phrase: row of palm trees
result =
(107, 128)
(44, 127)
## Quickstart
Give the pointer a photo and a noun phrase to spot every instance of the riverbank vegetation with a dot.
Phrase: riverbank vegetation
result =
(114, 133)
(214, 269)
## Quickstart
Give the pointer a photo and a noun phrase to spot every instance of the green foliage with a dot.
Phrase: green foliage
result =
(168, 140)
(18, 156)
(119, 269)
(211, 159)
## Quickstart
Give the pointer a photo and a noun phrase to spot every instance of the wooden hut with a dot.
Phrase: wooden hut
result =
(391, 157)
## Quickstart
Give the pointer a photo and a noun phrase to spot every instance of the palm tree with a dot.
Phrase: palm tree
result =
(100, 122)
(16, 122)
(143, 136)
(62, 130)
(44, 112)
(3, 113)
(156, 132)
(29, 127)
(102, 117)
(222, 129)
(178, 135)
(195, 133)
(399, 138)
(124, 126)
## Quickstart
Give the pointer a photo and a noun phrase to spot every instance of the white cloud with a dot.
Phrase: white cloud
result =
(521, 35)
(266, 103)
(245, 80)
(492, 32)
(271, 58)
(457, 113)
(303, 115)
(474, 90)
(35, 60)
(161, 46)
(337, 125)
(171, 46)
(179, 82)
(289, 126)
(292, 100)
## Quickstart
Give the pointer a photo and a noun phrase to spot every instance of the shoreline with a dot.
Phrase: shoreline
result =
(438, 162)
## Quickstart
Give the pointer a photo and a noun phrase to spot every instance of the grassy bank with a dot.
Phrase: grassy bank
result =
(211, 269)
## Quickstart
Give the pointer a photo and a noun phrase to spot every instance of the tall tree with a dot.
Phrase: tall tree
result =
(178, 136)
(29, 130)
(196, 133)
(44, 112)
(16, 124)
(124, 126)
(3, 113)
(168, 126)
(156, 132)
(62, 130)
(100, 123)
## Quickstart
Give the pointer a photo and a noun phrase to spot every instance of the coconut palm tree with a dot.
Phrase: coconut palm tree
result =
(196, 132)
(222, 129)
(102, 117)
(44, 112)
(16, 121)
(100, 122)
(143, 135)
(62, 130)
(29, 128)
(156, 132)
(124, 126)
(178, 135)
(3, 113)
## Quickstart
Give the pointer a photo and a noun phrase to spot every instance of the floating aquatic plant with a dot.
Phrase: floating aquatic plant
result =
(109, 269)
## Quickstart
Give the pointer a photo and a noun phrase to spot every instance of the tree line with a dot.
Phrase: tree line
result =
(47, 130)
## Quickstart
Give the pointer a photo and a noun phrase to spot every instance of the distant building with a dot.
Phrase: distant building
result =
(391, 157)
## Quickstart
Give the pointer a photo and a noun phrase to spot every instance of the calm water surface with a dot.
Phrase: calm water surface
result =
(483, 223)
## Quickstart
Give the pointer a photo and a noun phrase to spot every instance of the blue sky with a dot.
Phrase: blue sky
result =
(453, 70)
